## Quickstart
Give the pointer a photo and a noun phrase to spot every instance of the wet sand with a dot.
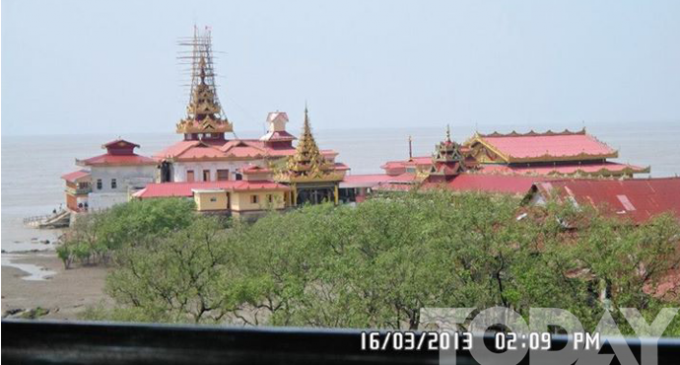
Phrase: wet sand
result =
(65, 293)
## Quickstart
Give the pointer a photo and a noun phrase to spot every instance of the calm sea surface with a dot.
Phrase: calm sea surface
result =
(31, 166)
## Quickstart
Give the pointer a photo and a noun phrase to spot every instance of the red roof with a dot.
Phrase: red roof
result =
(517, 147)
(277, 136)
(505, 184)
(255, 169)
(402, 182)
(339, 166)
(638, 199)
(570, 169)
(400, 166)
(176, 149)
(76, 175)
(237, 148)
(115, 160)
(171, 189)
(364, 181)
(119, 143)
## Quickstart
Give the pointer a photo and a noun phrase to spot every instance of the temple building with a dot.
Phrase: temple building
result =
(302, 175)
(108, 179)
(500, 163)
(451, 167)
(548, 154)
(566, 153)
(205, 154)
(245, 177)
(313, 177)
(240, 176)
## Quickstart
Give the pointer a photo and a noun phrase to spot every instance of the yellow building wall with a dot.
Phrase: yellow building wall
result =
(241, 200)
(204, 201)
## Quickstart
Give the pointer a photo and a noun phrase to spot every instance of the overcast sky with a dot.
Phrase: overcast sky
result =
(110, 66)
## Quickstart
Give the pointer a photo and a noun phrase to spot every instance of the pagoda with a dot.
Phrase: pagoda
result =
(447, 160)
(313, 177)
(205, 118)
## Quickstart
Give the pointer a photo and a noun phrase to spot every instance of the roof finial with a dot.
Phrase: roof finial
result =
(448, 133)
(410, 148)
(306, 120)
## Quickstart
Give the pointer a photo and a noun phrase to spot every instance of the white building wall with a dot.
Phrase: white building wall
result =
(179, 169)
(128, 179)
(101, 201)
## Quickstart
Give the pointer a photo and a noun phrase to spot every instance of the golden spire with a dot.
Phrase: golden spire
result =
(308, 164)
(204, 113)
(307, 158)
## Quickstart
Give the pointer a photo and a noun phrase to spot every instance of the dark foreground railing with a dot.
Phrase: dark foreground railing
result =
(56, 342)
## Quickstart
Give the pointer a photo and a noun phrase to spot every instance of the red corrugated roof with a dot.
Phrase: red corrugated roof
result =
(558, 145)
(415, 161)
(76, 175)
(278, 136)
(364, 181)
(109, 159)
(176, 149)
(562, 169)
(200, 152)
(241, 148)
(255, 169)
(369, 178)
(159, 190)
(506, 184)
(638, 199)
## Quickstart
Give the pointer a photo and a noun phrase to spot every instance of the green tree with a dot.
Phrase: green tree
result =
(94, 236)
(181, 277)
(379, 263)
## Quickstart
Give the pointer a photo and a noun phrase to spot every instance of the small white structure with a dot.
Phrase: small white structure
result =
(117, 174)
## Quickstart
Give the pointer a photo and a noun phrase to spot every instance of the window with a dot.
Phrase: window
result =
(270, 198)
(213, 199)
(206, 175)
(254, 199)
(222, 175)
(190, 175)
(99, 184)
(239, 177)
(114, 184)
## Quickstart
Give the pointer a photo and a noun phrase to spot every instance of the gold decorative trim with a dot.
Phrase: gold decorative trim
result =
(532, 133)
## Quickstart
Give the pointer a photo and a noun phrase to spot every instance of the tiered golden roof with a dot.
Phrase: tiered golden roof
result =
(308, 164)
(447, 150)
(447, 159)
(204, 113)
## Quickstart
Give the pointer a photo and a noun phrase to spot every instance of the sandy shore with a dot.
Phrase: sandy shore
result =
(65, 292)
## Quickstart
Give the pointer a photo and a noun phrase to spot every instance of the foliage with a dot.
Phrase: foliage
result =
(94, 236)
(377, 264)
(182, 275)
